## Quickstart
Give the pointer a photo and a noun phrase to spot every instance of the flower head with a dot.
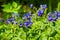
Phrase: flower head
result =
(26, 24)
(21, 25)
(40, 12)
(31, 5)
(52, 16)
(43, 6)
(27, 15)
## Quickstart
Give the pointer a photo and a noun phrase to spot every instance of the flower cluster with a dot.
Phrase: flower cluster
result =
(27, 20)
(12, 19)
(41, 11)
(43, 6)
(53, 16)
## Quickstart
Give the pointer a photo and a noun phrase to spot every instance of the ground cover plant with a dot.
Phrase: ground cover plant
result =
(31, 23)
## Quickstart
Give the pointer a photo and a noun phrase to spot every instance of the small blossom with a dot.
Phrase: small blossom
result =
(30, 19)
(21, 24)
(11, 19)
(50, 18)
(31, 5)
(43, 6)
(7, 22)
(27, 15)
(30, 23)
(26, 24)
(40, 12)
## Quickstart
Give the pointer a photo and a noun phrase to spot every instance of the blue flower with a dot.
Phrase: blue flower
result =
(43, 6)
(58, 14)
(30, 23)
(26, 24)
(31, 5)
(40, 12)
(21, 25)
(7, 22)
(11, 19)
(27, 15)
(29, 19)
(50, 18)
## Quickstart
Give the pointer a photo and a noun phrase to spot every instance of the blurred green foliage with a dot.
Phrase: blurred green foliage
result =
(14, 7)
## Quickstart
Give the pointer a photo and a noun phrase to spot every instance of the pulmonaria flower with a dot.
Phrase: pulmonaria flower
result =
(27, 15)
(29, 19)
(10, 20)
(7, 22)
(21, 25)
(59, 14)
(30, 23)
(31, 5)
(40, 12)
(43, 6)
(52, 16)
(26, 24)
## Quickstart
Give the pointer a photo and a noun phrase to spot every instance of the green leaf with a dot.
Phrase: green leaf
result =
(58, 8)
(18, 7)
(14, 4)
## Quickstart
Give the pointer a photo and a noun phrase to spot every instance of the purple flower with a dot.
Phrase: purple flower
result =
(43, 6)
(26, 24)
(11, 19)
(21, 24)
(40, 12)
(30, 23)
(23, 18)
(29, 19)
(52, 16)
(27, 15)
(31, 5)
(7, 22)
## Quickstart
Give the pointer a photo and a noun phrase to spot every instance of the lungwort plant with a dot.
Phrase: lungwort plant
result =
(11, 7)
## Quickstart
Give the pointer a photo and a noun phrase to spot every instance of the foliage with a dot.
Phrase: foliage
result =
(41, 29)
(14, 7)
